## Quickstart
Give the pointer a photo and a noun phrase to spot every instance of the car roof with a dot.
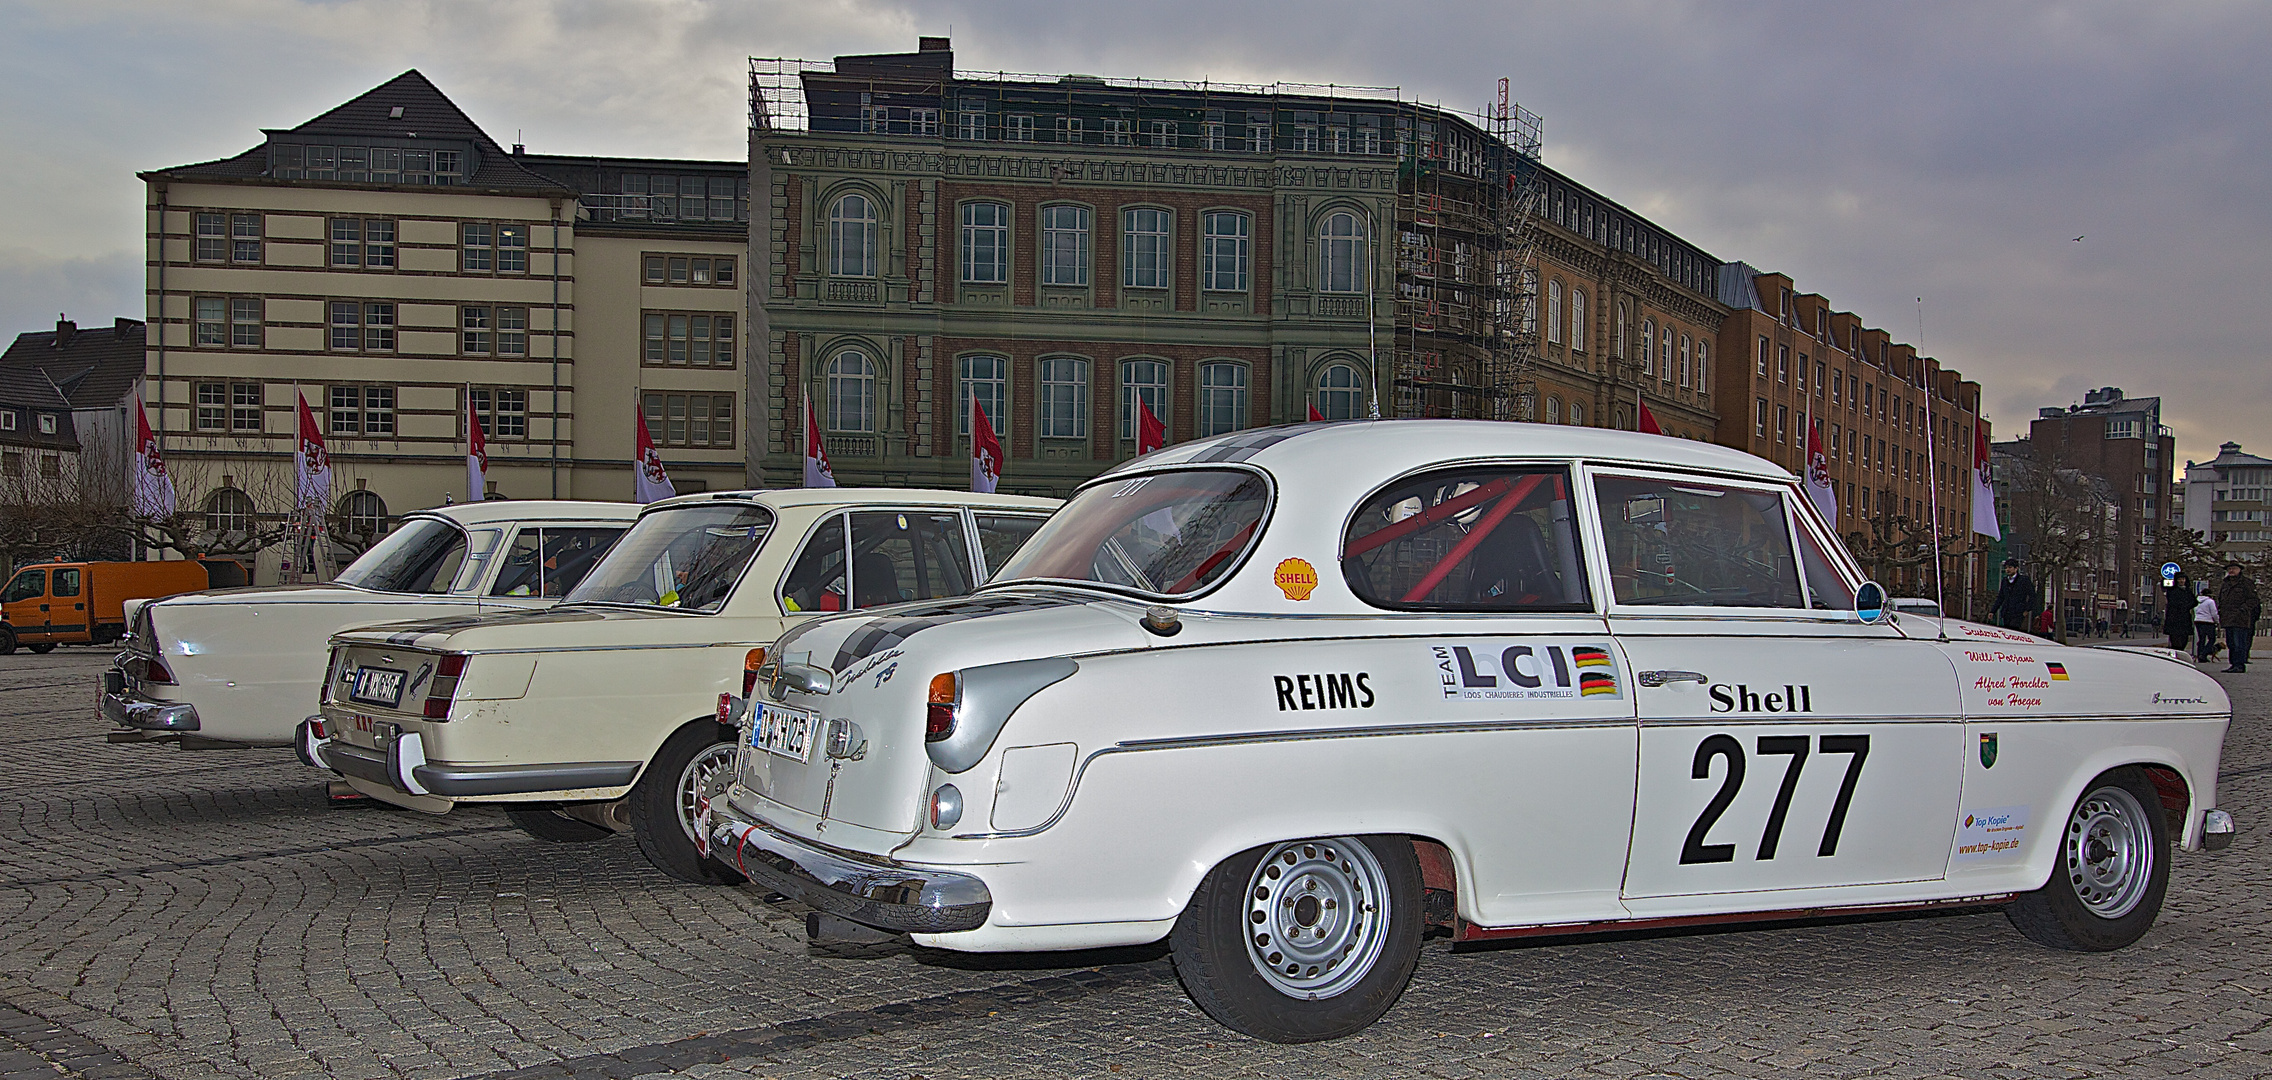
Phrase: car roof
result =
(508, 510)
(793, 498)
(1394, 446)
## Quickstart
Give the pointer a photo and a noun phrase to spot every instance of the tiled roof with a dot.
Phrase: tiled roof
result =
(425, 112)
(96, 368)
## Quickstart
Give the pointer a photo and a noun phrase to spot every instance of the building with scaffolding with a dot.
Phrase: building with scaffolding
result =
(1061, 248)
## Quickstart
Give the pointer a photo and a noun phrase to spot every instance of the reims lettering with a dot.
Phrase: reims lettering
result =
(1741, 698)
(1337, 690)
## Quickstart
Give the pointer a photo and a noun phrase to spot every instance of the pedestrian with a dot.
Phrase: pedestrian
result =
(2177, 611)
(2205, 627)
(2046, 625)
(2237, 612)
(2016, 598)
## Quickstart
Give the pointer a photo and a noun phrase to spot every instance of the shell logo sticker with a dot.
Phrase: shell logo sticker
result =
(1295, 578)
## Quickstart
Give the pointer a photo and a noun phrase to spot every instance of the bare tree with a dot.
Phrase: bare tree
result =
(2066, 521)
(1897, 548)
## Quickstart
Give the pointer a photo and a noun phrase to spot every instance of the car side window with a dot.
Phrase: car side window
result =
(908, 555)
(1476, 539)
(1001, 535)
(1689, 543)
(67, 582)
(816, 581)
(1826, 590)
(550, 561)
(26, 585)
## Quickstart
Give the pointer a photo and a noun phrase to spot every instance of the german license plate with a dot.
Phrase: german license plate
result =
(377, 686)
(783, 731)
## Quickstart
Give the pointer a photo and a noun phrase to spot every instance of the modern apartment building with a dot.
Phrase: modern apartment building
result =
(2121, 441)
(393, 265)
(2228, 499)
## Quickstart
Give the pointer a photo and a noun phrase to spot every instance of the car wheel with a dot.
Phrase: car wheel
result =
(7, 640)
(42, 648)
(662, 804)
(2112, 868)
(1302, 941)
(552, 826)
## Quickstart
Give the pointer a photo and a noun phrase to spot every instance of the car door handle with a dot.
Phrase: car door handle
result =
(1660, 678)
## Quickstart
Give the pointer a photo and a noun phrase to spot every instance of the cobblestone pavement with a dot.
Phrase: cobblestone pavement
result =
(177, 914)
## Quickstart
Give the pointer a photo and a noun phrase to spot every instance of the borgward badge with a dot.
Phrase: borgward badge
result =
(1988, 750)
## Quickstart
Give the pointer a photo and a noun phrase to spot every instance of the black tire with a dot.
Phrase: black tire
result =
(42, 649)
(2111, 871)
(552, 826)
(7, 640)
(661, 807)
(1220, 954)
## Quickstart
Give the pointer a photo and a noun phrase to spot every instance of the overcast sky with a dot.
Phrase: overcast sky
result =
(1877, 153)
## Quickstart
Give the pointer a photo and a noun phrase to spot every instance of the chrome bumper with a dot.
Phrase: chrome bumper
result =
(123, 710)
(402, 765)
(871, 892)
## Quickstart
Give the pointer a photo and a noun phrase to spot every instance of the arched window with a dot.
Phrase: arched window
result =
(1684, 359)
(1145, 381)
(1553, 410)
(1340, 392)
(228, 511)
(1577, 414)
(1341, 253)
(1703, 364)
(1664, 356)
(1554, 312)
(1624, 321)
(1222, 397)
(1648, 346)
(1577, 320)
(363, 516)
(852, 236)
(987, 379)
(851, 380)
(1064, 398)
(985, 243)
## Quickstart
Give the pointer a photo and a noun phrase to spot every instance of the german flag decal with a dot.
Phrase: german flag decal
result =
(1596, 682)
(1587, 656)
(2058, 671)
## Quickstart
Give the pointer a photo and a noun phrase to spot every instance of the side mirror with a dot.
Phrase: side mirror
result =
(1869, 603)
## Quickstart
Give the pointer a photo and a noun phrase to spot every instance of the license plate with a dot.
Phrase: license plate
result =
(786, 732)
(377, 686)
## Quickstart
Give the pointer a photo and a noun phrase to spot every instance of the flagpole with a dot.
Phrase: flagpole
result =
(1933, 476)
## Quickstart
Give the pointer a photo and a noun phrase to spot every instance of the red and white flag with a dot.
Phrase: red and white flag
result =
(1316, 417)
(648, 480)
(985, 451)
(1648, 423)
(817, 472)
(311, 461)
(1820, 490)
(476, 455)
(1150, 433)
(1983, 492)
(153, 489)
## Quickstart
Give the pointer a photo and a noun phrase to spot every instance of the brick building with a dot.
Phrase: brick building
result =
(2121, 441)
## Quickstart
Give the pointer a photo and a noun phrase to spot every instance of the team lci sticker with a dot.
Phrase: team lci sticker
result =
(1994, 833)
(1498, 671)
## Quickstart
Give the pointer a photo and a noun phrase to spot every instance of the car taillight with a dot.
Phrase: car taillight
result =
(939, 714)
(447, 672)
(750, 664)
(156, 673)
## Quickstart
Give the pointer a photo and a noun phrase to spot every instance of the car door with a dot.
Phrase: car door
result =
(67, 602)
(1786, 747)
(25, 602)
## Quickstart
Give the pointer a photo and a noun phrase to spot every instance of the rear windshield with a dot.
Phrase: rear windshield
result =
(420, 557)
(685, 558)
(1168, 534)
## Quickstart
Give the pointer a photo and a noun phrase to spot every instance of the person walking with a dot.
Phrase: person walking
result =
(2237, 612)
(2205, 627)
(2016, 598)
(2177, 611)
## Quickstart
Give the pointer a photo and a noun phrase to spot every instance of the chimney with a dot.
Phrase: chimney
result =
(933, 44)
(64, 328)
(125, 326)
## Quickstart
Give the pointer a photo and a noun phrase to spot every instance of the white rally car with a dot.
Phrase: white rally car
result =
(1290, 696)
(600, 716)
(241, 666)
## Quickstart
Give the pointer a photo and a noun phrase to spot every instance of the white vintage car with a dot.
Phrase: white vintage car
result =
(601, 715)
(1289, 697)
(241, 666)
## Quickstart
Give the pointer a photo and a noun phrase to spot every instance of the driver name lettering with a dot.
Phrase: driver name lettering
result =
(1333, 690)
(1740, 697)
(1507, 671)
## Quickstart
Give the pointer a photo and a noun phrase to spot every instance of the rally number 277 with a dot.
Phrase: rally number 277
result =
(1695, 850)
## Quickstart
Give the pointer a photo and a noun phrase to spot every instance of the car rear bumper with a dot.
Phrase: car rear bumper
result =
(402, 765)
(2217, 830)
(872, 892)
(123, 708)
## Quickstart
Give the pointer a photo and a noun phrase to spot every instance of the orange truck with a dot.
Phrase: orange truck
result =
(50, 604)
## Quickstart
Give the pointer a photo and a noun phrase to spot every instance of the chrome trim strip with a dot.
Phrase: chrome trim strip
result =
(871, 892)
(149, 715)
(468, 780)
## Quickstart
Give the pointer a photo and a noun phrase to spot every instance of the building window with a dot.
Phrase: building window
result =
(691, 420)
(852, 237)
(244, 238)
(1340, 392)
(1648, 346)
(985, 243)
(1064, 398)
(1222, 397)
(1577, 320)
(1341, 254)
(8, 420)
(478, 247)
(1020, 129)
(851, 381)
(358, 242)
(1782, 363)
(1145, 381)
(688, 270)
(1553, 410)
(681, 339)
(211, 322)
(362, 410)
(1577, 414)
(362, 327)
(245, 322)
(1218, 137)
(1802, 384)
(1164, 134)
(1664, 355)
(1759, 418)
(1703, 365)
(363, 515)
(1116, 133)
(1305, 138)
(970, 122)
(1064, 245)
(503, 331)
(1148, 253)
(1258, 132)
(228, 511)
(504, 413)
(1684, 359)
(212, 237)
(1782, 423)
(1069, 129)
(1624, 320)
(1223, 262)
(924, 121)
(985, 378)
(1554, 312)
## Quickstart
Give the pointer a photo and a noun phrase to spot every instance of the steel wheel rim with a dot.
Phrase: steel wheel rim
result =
(712, 760)
(2109, 852)
(1317, 916)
